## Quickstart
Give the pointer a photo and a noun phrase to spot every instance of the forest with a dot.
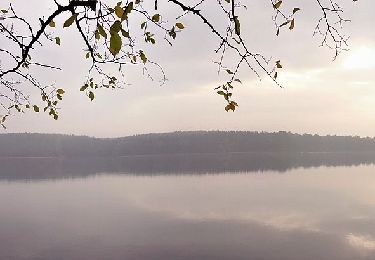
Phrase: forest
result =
(195, 142)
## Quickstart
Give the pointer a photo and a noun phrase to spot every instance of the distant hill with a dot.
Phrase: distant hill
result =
(68, 146)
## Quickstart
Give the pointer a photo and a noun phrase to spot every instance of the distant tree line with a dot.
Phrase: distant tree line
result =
(53, 145)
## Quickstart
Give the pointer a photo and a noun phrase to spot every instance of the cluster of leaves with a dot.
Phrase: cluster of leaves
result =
(110, 39)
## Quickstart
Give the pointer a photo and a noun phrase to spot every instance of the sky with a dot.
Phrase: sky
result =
(318, 95)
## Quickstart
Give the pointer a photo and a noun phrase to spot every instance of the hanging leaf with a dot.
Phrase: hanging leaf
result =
(115, 27)
(119, 11)
(156, 18)
(101, 31)
(129, 8)
(36, 108)
(291, 26)
(70, 20)
(60, 91)
(237, 26)
(52, 24)
(115, 44)
(277, 4)
(278, 65)
(180, 26)
(91, 95)
(57, 40)
(296, 9)
(143, 57)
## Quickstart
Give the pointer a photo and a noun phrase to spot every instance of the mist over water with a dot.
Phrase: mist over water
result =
(310, 211)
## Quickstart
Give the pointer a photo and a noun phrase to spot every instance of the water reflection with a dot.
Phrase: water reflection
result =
(316, 213)
(56, 168)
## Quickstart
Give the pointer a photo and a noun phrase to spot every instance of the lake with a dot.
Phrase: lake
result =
(54, 209)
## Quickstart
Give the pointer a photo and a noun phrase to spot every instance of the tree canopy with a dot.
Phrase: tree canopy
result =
(118, 34)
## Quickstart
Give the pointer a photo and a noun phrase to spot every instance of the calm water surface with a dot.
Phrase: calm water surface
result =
(316, 213)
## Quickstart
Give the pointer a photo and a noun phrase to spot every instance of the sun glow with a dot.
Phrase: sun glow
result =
(361, 58)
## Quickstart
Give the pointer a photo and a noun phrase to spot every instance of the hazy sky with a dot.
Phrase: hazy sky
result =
(319, 96)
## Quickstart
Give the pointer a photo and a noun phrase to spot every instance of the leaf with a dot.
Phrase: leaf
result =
(129, 8)
(278, 65)
(180, 26)
(275, 76)
(237, 26)
(115, 44)
(143, 56)
(119, 11)
(84, 87)
(52, 24)
(229, 71)
(277, 4)
(125, 33)
(295, 10)
(36, 108)
(91, 95)
(238, 80)
(87, 55)
(291, 26)
(59, 97)
(60, 91)
(220, 92)
(115, 27)
(97, 35)
(101, 31)
(156, 18)
(58, 41)
(4, 11)
(70, 20)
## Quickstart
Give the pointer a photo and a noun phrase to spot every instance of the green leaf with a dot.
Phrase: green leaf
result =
(115, 44)
(125, 33)
(277, 4)
(58, 41)
(60, 91)
(295, 10)
(237, 26)
(115, 27)
(36, 108)
(97, 35)
(119, 11)
(70, 20)
(229, 71)
(180, 26)
(52, 24)
(291, 26)
(84, 87)
(129, 8)
(87, 55)
(4, 11)
(220, 92)
(278, 65)
(91, 95)
(143, 56)
(238, 80)
(59, 97)
(101, 31)
(156, 18)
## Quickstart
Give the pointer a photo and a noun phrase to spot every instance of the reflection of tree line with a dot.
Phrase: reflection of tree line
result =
(54, 168)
